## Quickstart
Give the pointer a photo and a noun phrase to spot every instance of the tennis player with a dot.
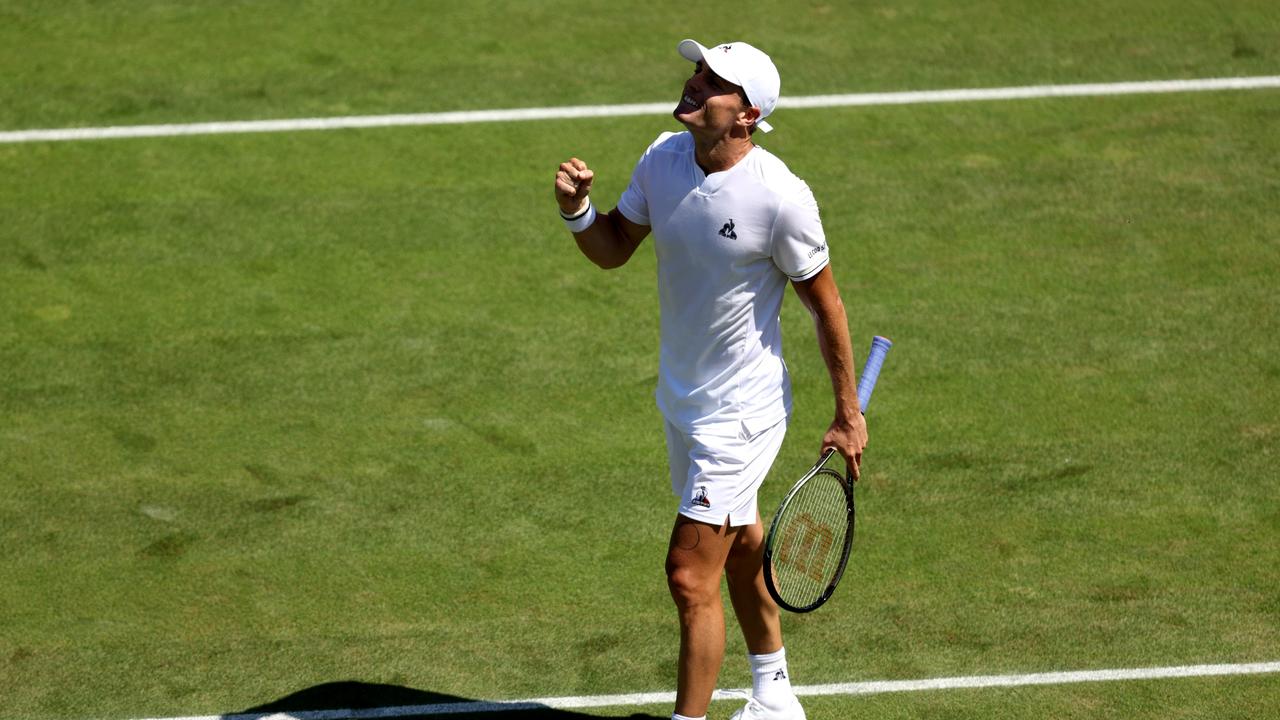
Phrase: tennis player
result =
(732, 227)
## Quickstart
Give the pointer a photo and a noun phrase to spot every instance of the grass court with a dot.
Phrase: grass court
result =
(280, 411)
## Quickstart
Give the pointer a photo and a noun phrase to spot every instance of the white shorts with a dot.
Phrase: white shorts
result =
(717, 477)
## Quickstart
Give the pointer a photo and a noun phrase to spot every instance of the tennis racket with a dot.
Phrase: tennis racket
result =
(809, 541)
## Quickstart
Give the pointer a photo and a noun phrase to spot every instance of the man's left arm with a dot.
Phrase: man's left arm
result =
(848, 431)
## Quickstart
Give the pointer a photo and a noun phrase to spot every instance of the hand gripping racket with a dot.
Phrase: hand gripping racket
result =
(809, 541)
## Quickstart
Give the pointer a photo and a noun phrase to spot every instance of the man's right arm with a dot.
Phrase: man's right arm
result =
(612, 239)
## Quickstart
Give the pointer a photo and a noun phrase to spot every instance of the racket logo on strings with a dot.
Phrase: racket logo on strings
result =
(806, 545)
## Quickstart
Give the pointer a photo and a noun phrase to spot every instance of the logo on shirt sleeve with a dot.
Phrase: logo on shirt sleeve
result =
(727, 230)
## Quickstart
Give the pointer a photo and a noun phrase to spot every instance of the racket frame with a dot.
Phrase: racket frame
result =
(866, 385)
(847, 484)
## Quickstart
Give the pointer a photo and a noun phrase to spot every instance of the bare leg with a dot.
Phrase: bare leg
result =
(757, 612)
(695, 563)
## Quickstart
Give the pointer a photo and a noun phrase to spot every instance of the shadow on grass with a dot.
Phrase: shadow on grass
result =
(330, 701)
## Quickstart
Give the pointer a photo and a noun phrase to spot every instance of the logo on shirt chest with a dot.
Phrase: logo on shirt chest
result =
(727, 230)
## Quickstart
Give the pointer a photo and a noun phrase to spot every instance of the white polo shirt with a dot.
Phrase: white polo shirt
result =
(727, 244)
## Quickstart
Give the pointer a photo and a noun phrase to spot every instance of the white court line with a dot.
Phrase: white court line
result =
(857, 688)
(660, 108)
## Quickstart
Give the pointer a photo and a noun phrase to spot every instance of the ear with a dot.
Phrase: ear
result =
(749, 116)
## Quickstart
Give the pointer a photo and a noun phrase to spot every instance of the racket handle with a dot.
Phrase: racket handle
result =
(871, 371)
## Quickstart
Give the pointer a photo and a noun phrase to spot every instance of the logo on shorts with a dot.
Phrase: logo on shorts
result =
(727, 230)
(700, 497)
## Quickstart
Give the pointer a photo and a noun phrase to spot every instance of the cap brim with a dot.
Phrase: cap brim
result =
(691, 50)
(694, 51)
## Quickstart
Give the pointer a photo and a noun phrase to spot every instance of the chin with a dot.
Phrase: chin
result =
(688, 119)
(686, 113)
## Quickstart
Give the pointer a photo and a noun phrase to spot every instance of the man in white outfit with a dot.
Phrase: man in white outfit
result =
(732, 227)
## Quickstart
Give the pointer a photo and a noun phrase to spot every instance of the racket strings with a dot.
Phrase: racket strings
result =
(811, 536)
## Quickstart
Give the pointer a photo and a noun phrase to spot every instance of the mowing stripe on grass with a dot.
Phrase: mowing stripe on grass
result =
(858, 688)
(595, 111)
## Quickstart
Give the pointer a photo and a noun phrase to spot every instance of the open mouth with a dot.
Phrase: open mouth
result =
(687, 105)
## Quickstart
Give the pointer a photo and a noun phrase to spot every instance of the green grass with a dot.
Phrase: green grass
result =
(77, 62)
(284, 410)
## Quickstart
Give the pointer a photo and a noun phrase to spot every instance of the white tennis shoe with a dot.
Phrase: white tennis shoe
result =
(753, 710)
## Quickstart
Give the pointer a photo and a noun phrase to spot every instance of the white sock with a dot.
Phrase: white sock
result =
(770, 681)
(678, 716)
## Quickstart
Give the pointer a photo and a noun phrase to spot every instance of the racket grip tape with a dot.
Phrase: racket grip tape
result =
(871, 371)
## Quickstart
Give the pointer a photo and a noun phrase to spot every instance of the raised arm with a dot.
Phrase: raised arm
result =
(848, 431)
(607, 240)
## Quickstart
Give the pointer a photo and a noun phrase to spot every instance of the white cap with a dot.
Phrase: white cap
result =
(740, 64)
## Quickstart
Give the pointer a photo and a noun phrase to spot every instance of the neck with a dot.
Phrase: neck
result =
(721, 153)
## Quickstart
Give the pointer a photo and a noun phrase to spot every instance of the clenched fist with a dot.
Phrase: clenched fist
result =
(573, 183)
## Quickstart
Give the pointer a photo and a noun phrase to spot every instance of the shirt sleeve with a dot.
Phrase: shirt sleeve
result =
(633, 204)
(799, 243)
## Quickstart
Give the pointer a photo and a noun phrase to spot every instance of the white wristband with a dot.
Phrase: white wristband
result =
(582, 220)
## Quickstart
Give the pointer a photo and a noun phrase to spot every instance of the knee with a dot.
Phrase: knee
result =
(690, 587)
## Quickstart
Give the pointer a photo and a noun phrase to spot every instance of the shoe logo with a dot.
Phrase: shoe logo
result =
(727, 230)
(700, 497)
(780, 675)
(726, 47)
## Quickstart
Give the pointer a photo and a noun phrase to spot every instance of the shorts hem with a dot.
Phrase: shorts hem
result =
(718, 519)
